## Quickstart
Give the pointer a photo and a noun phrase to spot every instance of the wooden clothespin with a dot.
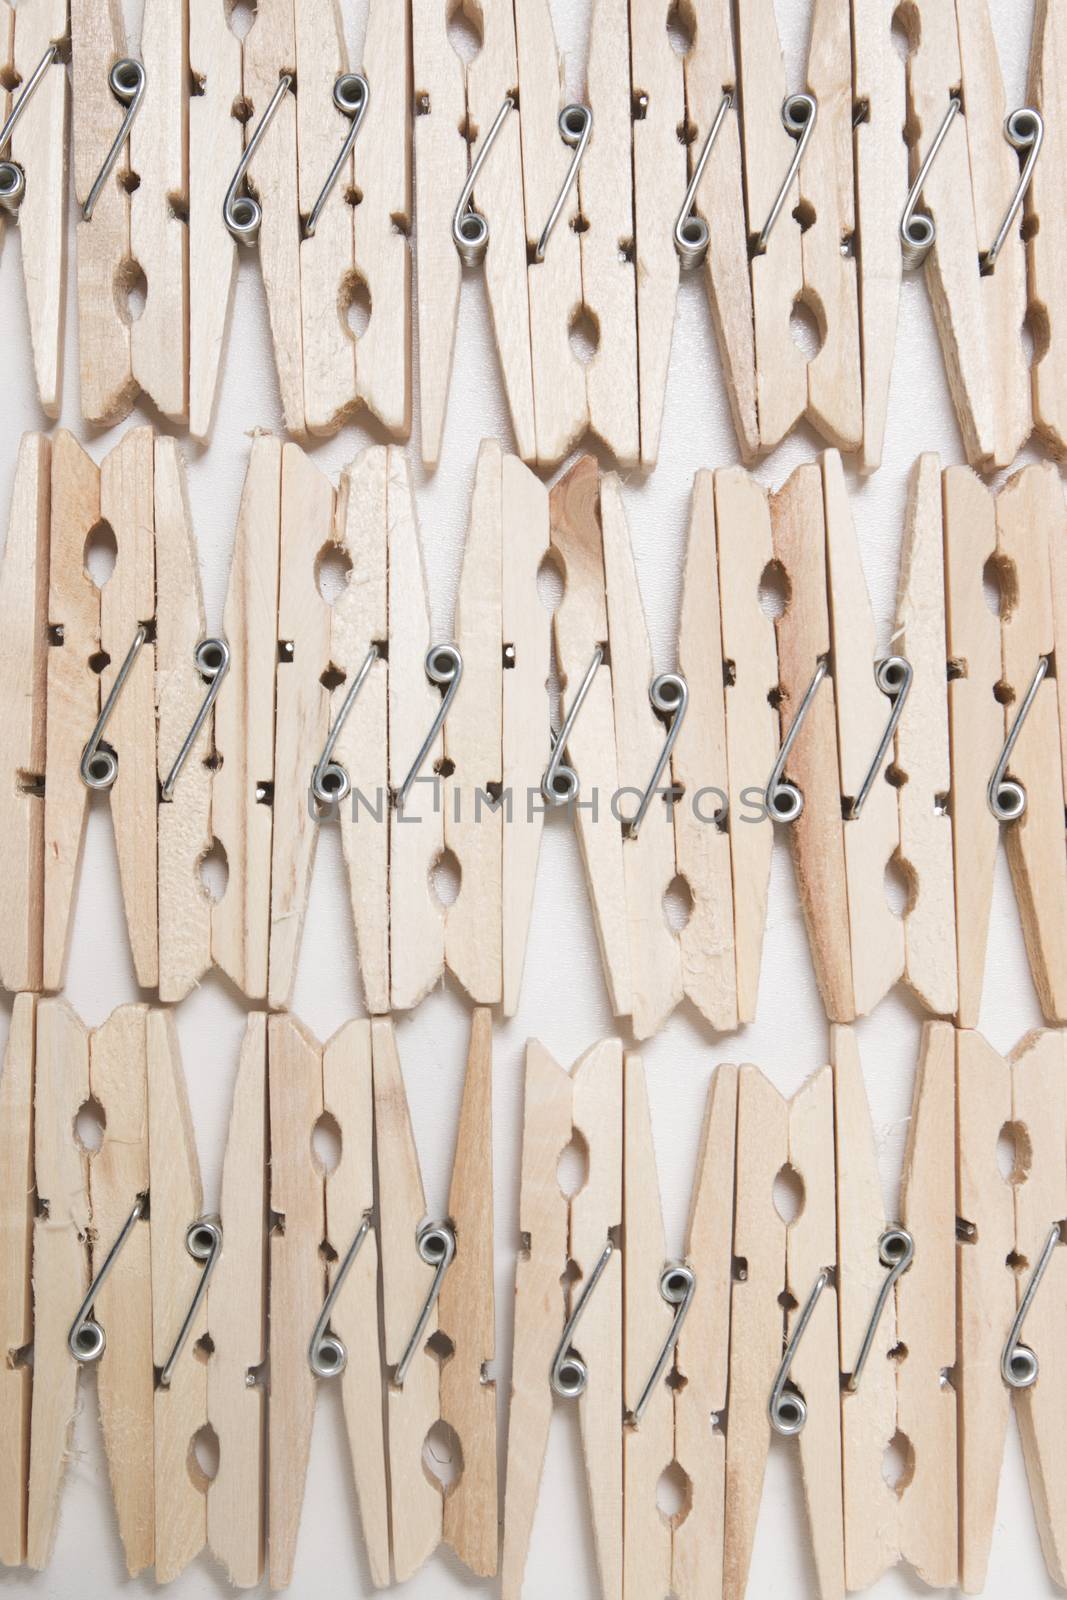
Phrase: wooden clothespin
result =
(438, 1313)
(131, 184)
(1044, 229)
(91, 1240)
(102, 659)
(784, 1367)
(16, 1255)
(970, 182)
(1012, 1277)
(581, 257)
(243, 190)
(801, 223)
(419, 750)
(355, 220)
(23, 664)
(323, 1265)
(1002, 680)
(34, 42)
(921, 758)
(839, 709)
(575, 1242)
(896, 1288)
(676, 1327)
(463, 113)
(209, 1289)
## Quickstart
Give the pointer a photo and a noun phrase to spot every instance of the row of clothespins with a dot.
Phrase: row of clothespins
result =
(687, 150)
(794, 1310)
(326, 701)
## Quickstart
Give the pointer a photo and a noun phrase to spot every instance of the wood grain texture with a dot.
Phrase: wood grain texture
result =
(24, 668)
(921, 750)
(17, 1196)
(1046, 229)
(750, 671)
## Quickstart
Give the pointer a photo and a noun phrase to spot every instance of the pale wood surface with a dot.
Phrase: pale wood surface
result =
(648, 860)
(216, 140)
(348, 1095)
(976, 722)
(237, 1317)
(302, 716)
(921, 752)
(881, 168)
(297, 1277)
(244, 728)
(472, 742)
(659, 185)
(580, 624)
(1031, 518)
(39, 145)
(24, 669)
(118, 1173)
(526, 632)
(60, 1262)
(646, 1322)
(540, 1309)
(184, 822)
(17, 1196)
(871, 839)
(181, 1408)
(710, 69)
(415, 1509)
(1047, 242)
(127, 600)
(703, 1351)
(605, 199)
(749, 653)
(817, 836)
(827, 187)
(699, 761)
(159, 238)
(73, 689)
(416, 915)
(467, 1315)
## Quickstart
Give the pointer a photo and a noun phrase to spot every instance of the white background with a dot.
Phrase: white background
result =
(563, 1001)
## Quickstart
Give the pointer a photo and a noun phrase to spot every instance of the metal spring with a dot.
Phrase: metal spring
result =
(669, 695)
(896, 1252)
(575, 126)
(569, 1374)
(126, 81)
(444, 667)
(12, 177)
(330, 782)
(894, 677)
(788, 1411)
(351, 96)
(99, 766)
(470, 230)
(1018, 1363)
(436, 1244)
(243, 214)
(212, 659)
(327, 1353)
(783, 800)
(203, 1240)
(918, 231)
(560, 784)
(1024, 130)
(1006, 796)
(677, 1286)
(799, 112)
(87, 1340)
(691, 234)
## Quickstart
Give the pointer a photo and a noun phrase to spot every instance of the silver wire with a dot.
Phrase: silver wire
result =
(86, 1340)
(12, 177)
(212, 659)
(894, 677)
(436, 1244)
(677, 1286)
(127, 83)
(243, 215)
(896, 1252)
(669, 694)
(1018, 1363)
(691, 234)
(569, 1373)
(1024, 130)
(203, 1240)
(918, 231)
(99, 765)
(561, 784)
(575, 124)
(783, 800)
(327, 1352)
(444, 667)
(351, 96)
(330, 782)
(788, 1412)
(1006, 796)
(470, 230)
(799, 112)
